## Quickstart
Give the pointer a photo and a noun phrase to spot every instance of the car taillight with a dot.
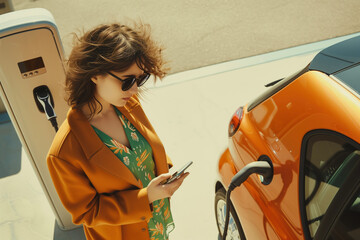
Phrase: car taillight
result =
(235, 121)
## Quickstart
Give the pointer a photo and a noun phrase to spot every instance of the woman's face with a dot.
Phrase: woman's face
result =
(108, 88)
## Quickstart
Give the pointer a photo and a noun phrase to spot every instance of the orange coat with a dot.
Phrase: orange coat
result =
(97, 189)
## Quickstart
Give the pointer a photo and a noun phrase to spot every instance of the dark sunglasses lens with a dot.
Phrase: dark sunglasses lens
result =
(142, 79)
(128, 83)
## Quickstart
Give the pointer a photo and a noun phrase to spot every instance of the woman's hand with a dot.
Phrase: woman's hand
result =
(157, 190)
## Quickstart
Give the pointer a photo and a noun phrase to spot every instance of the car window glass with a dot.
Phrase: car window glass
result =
(350, 77)
(327, 160)
(348, 225)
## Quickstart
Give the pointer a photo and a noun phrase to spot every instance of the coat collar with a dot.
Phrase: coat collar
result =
(82, 129)
(98, 153)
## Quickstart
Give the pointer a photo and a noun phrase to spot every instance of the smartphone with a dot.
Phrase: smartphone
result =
(178, 173)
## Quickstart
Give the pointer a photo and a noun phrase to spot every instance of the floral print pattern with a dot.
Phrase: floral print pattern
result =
(139, 159)
(117, 147)
(134, 136)
(159, 229)
(126, 161)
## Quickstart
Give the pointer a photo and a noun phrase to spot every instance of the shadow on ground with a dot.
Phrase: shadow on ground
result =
(74, 234)
(10, 148)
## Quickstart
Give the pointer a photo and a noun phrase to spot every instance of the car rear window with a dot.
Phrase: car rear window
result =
(350, 77)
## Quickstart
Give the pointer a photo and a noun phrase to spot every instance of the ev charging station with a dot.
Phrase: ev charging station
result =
(32, 77)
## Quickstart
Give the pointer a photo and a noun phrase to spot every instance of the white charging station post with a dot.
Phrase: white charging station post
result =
(31, 59)
(5, 7)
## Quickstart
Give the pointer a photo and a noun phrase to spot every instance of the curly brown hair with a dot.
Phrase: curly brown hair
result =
(109, 47)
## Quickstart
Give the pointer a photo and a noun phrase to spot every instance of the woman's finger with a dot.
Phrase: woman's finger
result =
(161, 178)
(177, 183)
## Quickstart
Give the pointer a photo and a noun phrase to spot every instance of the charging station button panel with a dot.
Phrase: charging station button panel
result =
(32, 67)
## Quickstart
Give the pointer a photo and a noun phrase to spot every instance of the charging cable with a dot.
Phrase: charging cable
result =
(260, 167)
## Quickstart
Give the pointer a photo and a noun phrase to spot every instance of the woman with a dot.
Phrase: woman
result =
(106, 161)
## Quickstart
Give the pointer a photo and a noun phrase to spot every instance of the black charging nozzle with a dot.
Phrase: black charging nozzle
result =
(262, 167)
(45, 104)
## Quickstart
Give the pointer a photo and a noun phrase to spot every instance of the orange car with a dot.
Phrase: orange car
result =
(306, 129)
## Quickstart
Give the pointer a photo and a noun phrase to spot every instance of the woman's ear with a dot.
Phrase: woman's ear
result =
(94, 79)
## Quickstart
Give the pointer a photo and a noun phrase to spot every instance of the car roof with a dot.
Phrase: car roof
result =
(337, 57)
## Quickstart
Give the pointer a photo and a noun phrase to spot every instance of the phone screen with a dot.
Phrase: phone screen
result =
(178, 173)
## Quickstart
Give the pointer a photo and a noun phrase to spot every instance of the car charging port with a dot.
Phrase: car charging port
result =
(266, 178)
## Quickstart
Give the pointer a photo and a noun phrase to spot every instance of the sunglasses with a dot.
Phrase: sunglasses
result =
(127, 83)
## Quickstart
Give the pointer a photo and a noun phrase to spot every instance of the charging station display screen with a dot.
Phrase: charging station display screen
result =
(31, 65)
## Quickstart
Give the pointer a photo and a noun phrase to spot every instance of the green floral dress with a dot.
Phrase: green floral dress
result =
(140, 161)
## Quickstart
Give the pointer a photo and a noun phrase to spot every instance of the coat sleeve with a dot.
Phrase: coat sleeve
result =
(90, 208)
(169, 162)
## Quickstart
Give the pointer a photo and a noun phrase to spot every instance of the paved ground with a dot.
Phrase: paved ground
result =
(200, 33)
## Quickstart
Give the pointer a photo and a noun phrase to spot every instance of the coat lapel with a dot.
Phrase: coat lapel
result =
(135, 114)
(106, 160)
(100, 155)
(95, 150)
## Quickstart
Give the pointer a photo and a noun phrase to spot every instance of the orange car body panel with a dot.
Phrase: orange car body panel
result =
(276, 128)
